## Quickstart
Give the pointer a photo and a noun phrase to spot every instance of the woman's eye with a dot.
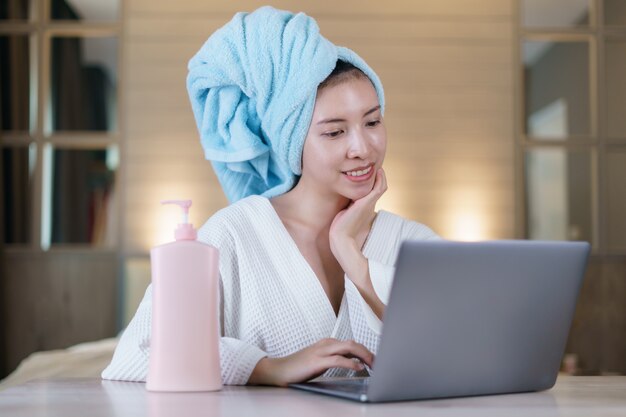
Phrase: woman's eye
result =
(333, 134)
(373, 123)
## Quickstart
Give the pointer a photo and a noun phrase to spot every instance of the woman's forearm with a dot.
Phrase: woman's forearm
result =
(356, 267)
(371, 298)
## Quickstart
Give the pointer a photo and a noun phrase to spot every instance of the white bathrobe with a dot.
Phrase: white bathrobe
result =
(271, 302)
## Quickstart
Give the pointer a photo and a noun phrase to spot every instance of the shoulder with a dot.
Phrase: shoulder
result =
(228, 223)
(391, 225)
(387, 234)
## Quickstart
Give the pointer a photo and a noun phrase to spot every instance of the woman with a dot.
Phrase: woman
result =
(305, 262)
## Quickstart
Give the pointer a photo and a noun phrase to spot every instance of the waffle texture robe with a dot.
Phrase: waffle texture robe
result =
(271, 302)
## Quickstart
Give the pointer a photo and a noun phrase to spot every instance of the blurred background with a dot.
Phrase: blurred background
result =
(506, 119)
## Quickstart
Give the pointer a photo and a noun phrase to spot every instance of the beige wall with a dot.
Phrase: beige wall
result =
(447, 70)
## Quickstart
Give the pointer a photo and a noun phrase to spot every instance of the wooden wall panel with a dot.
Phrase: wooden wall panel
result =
(397, 8)
(447, 71)
(598, 333)
(447, 68)
(51, 302)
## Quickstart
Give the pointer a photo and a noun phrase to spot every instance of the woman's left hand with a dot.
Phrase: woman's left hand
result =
(351, 226)
(348, 233)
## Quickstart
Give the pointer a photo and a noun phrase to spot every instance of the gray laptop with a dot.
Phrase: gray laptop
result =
(471, 319)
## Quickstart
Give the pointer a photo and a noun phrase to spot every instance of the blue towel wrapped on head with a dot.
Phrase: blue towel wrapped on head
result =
(252, 87)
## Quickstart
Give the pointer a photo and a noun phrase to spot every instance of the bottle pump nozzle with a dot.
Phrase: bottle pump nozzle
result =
(185, 230)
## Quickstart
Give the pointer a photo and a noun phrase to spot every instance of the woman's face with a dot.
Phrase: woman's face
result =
(347, 139)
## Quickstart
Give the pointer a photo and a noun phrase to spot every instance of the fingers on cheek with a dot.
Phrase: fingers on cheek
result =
(379, 180)
(383, 185)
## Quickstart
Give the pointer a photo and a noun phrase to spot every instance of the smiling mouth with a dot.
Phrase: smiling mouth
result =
(361, 175)
(359, 172)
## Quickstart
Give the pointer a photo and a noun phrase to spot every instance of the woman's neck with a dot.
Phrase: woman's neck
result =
(309, 208)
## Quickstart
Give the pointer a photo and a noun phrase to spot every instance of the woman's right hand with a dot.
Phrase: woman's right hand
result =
(311, 362)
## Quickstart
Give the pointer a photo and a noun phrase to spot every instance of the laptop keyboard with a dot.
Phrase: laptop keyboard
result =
(357, 385)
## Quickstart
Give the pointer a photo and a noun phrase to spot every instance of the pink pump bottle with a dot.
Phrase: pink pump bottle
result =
(184, 344)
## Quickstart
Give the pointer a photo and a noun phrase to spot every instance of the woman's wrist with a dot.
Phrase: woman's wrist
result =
(346, 251)
(263, 374)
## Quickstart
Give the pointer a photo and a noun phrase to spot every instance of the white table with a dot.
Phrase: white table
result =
(572, 396)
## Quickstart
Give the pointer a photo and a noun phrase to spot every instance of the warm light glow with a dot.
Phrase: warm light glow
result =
(466, 218)
(165, 222)
(163, 219)
(467, 225)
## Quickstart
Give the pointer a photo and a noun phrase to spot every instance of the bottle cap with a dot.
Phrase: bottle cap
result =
(184, 230)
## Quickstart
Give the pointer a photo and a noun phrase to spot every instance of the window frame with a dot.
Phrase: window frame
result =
(597, 142)
(41, 29)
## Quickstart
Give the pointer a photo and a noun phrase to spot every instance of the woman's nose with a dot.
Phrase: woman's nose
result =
(359, 145)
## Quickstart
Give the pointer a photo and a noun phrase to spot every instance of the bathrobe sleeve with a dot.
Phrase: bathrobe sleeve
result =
(130, 360)
(237, 358)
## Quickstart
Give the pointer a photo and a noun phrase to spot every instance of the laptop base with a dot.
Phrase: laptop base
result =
(348, 388)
